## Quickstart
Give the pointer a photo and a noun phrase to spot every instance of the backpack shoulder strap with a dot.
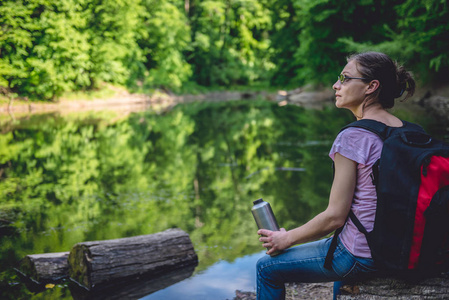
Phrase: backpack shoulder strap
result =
(413, 127)
(374, 126)
(381, 129)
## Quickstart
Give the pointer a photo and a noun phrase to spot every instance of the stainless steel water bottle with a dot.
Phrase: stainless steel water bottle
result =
(264, 216)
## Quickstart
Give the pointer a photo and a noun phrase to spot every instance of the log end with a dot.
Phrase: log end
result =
(28, 269)
(79, 265)
(45, 268)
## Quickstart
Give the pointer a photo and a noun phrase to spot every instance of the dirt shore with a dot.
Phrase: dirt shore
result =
(126, 102)
(297, 291)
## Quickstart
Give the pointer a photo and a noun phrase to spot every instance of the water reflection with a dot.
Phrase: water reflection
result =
(220, 281)
(133, 289)
(97, 176)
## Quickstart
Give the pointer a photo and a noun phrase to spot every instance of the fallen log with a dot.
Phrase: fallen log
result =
(392, 288)
(45, 268)
(105, 262)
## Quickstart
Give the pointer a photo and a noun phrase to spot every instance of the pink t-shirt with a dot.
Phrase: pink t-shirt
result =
(363, 147)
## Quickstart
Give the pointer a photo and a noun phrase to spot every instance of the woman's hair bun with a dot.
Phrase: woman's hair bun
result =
(405, 82)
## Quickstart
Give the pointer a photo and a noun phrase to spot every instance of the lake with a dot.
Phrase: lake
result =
(75, 177)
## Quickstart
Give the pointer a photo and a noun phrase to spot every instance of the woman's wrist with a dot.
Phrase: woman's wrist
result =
(290, 238)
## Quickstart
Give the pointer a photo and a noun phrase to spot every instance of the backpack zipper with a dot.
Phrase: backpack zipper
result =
(425, 165)
(375, 172)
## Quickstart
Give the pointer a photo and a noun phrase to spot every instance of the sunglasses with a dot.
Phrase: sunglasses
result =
(342, 78)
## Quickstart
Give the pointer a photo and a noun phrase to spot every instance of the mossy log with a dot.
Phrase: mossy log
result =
(392, 288)
(45, 268)
(104, 262)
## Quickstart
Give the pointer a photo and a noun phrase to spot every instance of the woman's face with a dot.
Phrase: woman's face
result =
(350, 94)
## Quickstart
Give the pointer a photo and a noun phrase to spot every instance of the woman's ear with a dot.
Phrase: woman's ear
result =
(372, 86)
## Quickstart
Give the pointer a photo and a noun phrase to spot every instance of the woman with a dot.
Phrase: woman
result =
(367, 86)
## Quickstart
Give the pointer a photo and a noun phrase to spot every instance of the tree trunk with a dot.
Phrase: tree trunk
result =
(105, 262)
(45, 268)
(391, 288)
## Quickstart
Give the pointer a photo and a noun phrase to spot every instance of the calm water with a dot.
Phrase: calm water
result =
(95, 176)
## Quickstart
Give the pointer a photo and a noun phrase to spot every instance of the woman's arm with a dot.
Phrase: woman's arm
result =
(333, 217)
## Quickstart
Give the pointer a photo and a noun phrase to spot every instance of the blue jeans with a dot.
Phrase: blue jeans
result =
(305, 263)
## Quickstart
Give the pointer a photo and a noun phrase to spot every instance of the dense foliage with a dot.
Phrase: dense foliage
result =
(48, 47)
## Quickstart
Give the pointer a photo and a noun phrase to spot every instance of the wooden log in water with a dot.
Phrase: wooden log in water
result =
(105, 262)
(45, 268)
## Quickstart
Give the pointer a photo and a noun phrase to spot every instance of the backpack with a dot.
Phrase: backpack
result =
(411, 225)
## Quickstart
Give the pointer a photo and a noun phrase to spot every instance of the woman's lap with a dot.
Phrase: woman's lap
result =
(305, 263)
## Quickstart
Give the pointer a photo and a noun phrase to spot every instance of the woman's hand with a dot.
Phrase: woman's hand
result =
(274, 240)
(333, 217)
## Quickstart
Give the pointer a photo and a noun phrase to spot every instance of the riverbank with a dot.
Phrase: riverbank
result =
(433, 100)
(159, 101)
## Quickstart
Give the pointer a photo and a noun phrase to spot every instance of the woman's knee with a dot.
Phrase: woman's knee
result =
(262, 262)
(267, 269)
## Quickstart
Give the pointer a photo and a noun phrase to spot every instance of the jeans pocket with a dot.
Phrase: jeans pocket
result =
(358, 271)
(348, 266)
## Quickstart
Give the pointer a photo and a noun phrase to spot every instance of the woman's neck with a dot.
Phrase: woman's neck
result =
(376, 112)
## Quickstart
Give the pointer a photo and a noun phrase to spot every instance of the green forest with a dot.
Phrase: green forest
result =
(50, 47)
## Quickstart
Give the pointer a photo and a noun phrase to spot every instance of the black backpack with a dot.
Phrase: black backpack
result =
(411, 226)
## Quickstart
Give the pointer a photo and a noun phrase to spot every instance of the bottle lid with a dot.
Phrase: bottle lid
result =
(258, 201)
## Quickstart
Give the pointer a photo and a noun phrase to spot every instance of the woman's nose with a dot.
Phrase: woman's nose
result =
(336, 85)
